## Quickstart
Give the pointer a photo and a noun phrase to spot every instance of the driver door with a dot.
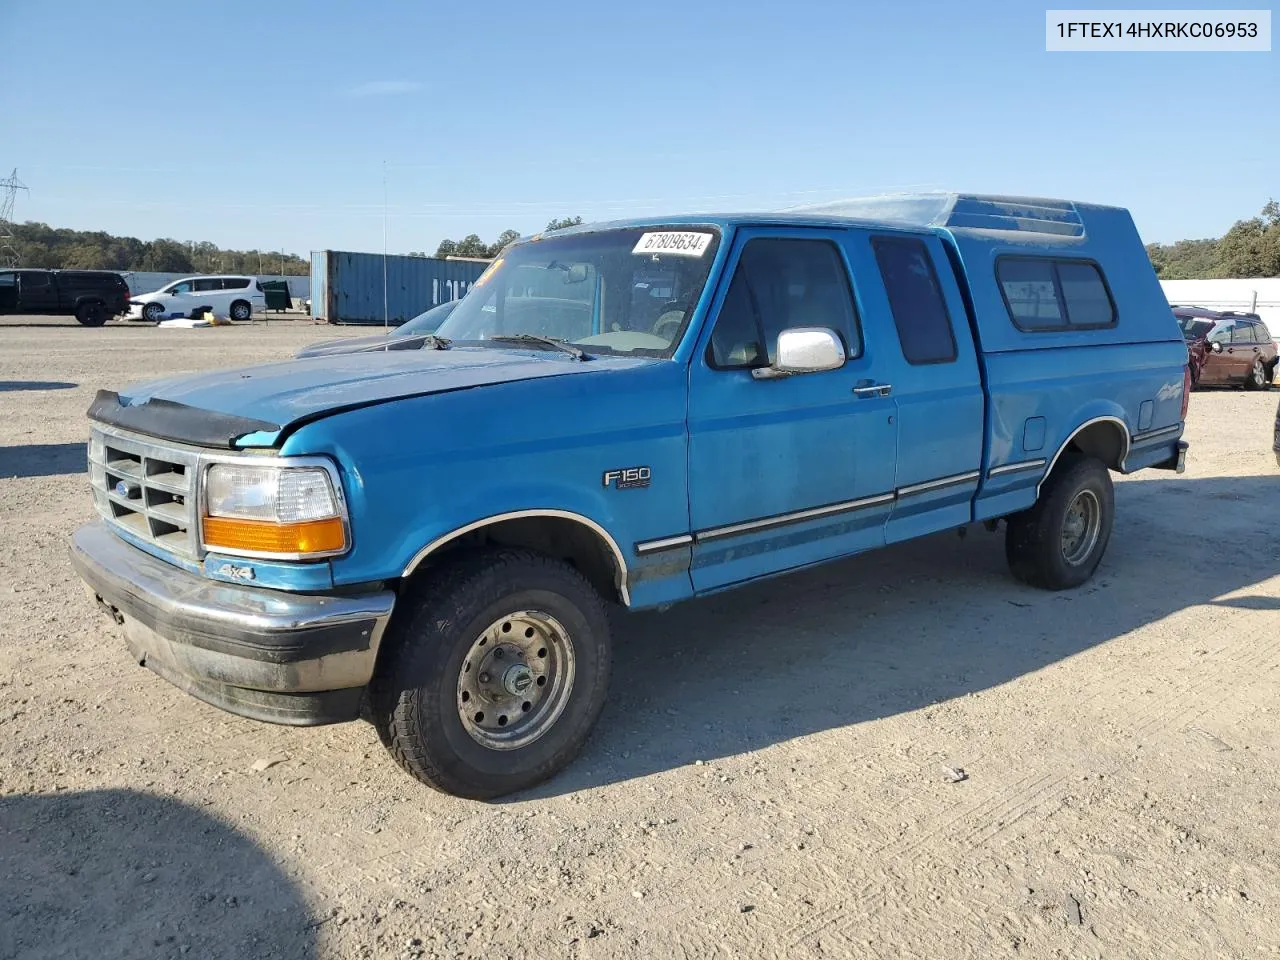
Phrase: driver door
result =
(788, 471)
(179, 298)
(1219, 365)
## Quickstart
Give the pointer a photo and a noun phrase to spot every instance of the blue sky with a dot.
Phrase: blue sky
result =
(267, 124)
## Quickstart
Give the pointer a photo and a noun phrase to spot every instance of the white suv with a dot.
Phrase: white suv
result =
(234, 297)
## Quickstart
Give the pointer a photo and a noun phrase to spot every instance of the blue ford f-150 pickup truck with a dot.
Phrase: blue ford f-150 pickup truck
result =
(625, 414)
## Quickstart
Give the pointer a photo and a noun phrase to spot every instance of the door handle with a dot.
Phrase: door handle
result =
(874, 390)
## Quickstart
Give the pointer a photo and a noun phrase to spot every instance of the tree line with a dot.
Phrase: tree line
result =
(472, 246)
(1251, 248)
(53, 248)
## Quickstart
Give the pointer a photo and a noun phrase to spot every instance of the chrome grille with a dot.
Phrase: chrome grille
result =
(146, 488)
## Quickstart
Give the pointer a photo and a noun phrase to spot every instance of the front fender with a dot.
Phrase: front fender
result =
(420, 469)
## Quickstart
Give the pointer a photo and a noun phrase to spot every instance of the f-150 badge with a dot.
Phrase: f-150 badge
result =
(627, 478)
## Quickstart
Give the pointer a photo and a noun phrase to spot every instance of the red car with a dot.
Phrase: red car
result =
(1227, 347)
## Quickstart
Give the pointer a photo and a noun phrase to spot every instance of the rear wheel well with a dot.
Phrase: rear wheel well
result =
(1104, 440)
(560, 537)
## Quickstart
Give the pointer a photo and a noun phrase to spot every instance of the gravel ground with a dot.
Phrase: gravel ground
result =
(770, 779)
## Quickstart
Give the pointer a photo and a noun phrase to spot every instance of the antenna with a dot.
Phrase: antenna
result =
(9, 256)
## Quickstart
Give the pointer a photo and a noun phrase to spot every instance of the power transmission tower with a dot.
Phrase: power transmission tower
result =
(8, 242)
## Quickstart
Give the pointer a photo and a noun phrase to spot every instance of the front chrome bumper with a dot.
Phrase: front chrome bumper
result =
(288, 658)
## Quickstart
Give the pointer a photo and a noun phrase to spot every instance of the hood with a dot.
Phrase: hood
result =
(254, 406)
(380, 341)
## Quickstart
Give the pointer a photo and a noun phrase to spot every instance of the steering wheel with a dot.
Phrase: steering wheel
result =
(671, 315)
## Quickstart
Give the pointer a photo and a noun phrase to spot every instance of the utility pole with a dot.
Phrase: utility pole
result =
(9, 256)
(385, 312)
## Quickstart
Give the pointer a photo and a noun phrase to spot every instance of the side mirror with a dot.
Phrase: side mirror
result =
(804, 350)
(1216, 346)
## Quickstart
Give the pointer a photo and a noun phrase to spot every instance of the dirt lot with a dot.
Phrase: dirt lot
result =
(768, 780)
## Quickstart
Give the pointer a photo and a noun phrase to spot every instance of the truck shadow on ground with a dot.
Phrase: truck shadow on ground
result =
(117, 873)
(906, 627)
(43, 460)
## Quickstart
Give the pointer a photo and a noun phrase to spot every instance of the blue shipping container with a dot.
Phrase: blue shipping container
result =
(348, 287)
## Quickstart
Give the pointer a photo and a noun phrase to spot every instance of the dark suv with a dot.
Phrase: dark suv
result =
(91, 296)
(1225, 347)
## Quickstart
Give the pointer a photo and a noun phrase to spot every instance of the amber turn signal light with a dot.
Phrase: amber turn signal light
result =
(260, 536)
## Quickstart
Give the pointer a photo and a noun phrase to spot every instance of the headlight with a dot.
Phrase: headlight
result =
(286, 512)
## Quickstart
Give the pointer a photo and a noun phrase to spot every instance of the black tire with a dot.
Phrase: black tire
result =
(414, 698)
(1034, 540)
(91, 314)
(241, 310)
(1257, 378)
(153, 312)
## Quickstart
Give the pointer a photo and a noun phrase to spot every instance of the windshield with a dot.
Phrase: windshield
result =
(628, 291)
(1193, 328)
(430, 320)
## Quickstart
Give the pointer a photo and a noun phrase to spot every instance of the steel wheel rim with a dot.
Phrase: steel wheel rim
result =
(1081, 527)
(515, 681)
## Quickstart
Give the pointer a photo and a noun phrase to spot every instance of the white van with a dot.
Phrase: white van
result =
(234, 297)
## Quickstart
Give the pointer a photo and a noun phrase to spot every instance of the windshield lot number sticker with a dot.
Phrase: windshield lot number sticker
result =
(677, 244)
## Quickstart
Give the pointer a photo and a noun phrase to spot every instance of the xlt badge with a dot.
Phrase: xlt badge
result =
(627, 478)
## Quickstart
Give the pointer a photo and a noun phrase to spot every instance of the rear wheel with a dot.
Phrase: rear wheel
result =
(1059, 542)
(494, 674)
(91, 314)
(1257, 379)
(240, 310)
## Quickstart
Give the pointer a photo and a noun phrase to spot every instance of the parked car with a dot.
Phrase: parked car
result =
(233, 297)
(410, 335)
(434, 538)
(1227, 347)
(91, 296)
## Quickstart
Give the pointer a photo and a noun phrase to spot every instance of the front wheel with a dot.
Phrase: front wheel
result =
(494, 674)
(153, 312)
(1059, 542)
(240, 310)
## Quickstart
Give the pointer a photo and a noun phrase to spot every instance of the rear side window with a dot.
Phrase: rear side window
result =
(1262, 333)
(1043, 294)
(209, 283)
(915, 300)
(235, 283)
(35, 280)
(781, 283)
(1242, 333)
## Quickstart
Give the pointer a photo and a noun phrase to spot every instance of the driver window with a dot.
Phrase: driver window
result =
(184, 287)
(1221, 334)
(782, 283)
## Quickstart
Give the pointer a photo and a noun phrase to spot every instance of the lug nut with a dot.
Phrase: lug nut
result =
(484, 678)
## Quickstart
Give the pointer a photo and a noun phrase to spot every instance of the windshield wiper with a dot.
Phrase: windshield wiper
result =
(551, 342)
